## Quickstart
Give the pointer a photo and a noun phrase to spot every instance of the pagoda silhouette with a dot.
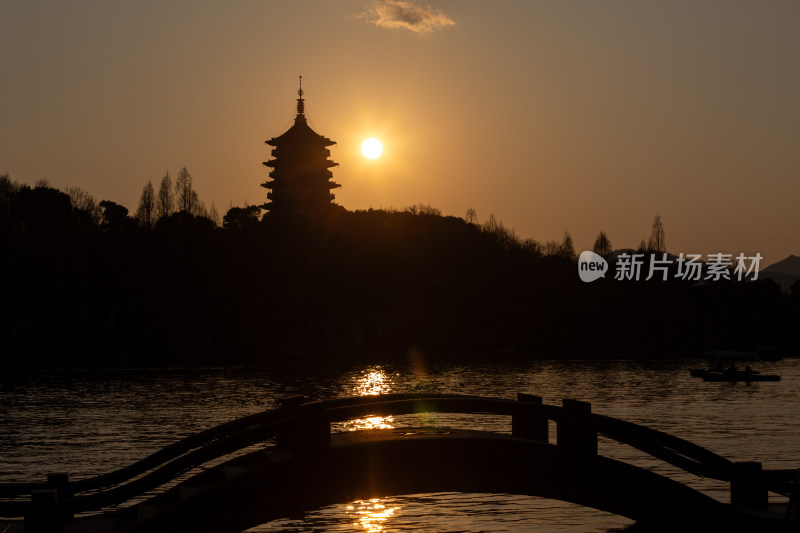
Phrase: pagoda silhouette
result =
(301, 179)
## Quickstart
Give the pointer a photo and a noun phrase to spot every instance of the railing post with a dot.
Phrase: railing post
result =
(530, 425)
(745, 493)
(793, 509)
(60, 482)
(44, 515)
(308, 433)
(575, 431)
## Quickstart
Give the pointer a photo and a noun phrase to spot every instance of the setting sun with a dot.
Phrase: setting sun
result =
(371, 148)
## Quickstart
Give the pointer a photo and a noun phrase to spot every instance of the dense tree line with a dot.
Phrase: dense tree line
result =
(86, 284)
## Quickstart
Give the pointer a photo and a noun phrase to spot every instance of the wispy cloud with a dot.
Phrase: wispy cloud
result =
(406, 14)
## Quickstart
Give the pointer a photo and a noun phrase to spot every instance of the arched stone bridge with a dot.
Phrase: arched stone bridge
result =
(303, 466)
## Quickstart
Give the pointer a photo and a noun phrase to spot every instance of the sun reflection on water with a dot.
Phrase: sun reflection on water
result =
(371, 514)
(371, 422)
(371, 382)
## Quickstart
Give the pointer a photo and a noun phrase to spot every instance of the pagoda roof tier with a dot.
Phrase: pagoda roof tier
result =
(317, 173)
(275, 162)
(300, 134)
(272, 184)
(301, 199)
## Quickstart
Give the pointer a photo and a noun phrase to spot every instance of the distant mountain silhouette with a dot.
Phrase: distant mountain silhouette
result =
(785, 272)
(790, 265)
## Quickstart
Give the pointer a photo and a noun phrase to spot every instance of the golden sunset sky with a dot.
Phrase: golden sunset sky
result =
(552, 115)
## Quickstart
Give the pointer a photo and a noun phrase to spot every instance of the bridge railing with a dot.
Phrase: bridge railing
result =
(577, 429)
(577, 426)
(170, 462)
(10, 490)
(304, 426)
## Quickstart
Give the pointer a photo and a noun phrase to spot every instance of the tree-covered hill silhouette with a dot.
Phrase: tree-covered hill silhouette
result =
(86, 284)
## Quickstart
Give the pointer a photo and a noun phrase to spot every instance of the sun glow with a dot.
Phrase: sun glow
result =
(371, 148)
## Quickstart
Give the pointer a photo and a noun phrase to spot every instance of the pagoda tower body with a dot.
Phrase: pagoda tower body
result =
(301, 179)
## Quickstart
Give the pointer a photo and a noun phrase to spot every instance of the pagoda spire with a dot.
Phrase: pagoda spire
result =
(301, 107)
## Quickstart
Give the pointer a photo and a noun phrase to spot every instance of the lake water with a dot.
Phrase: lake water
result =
(90, 422)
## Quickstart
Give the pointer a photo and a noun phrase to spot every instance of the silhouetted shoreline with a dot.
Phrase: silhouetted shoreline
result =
(369, 284)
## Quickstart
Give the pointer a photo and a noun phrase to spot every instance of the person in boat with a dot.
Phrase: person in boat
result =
(748, 371)
(731, 371)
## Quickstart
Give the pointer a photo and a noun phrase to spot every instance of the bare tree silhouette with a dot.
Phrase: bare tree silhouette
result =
(166, 201)
(657, 240)
(146, 213)
(471, 217)
(602, 246)
(84, 202)
(187, 198)
(567, 248)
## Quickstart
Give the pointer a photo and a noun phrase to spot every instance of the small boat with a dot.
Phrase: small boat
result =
(733, 377)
